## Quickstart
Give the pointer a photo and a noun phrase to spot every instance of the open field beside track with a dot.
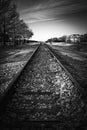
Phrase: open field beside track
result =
(74, 58)
(44, 94)
(12, 61)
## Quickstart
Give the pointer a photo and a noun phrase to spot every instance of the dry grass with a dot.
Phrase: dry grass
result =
(77, 67)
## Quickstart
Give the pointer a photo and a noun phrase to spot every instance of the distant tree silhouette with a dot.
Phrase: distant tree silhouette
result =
(11, 27)
(4, 7)
(85, 37)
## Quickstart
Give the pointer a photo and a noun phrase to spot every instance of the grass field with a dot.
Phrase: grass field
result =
(74, 58)
(11, 62)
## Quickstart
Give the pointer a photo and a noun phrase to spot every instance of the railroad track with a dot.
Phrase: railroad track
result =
(43, 96)
(16, 77)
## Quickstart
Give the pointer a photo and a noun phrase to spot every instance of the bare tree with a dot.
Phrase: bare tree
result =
(4, 6)
(10, 23)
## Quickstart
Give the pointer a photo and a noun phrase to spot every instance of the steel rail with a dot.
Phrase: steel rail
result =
(42, 123)
(16, 77)
(68, 73)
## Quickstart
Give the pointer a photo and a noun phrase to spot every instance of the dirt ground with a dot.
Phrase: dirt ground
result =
(12, 61)
(74, 58)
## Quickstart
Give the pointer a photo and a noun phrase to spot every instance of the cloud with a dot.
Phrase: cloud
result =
(52, 10)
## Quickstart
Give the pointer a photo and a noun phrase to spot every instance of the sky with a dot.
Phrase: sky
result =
(53, 18)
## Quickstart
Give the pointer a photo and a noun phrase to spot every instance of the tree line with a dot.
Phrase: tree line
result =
(74, 38)
(13, 30)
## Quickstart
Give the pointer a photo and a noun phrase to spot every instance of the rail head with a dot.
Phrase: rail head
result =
(68, 73)
(17, 76)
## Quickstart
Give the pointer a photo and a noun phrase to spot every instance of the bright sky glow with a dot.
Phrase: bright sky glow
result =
(54, 18)
(46, 30)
